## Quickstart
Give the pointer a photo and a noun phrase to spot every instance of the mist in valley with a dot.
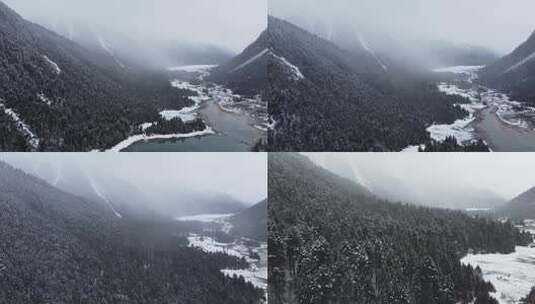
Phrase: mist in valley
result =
(158, 33)
(162, 185)
(437, 180)
(418, 31)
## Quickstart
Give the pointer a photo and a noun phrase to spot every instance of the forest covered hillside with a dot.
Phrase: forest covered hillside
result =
(324, 98)
(58, 96)
(59, 248)
(332, 243)
(251, 222)
(514, 73)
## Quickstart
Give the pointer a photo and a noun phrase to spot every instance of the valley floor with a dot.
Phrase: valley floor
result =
(503, 124)
(513, 275)
(234, 122)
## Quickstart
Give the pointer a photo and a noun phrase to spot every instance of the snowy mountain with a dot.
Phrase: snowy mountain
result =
(515, 72)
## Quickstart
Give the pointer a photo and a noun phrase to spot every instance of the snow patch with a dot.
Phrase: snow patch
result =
(54, 65)
(412, 149)
(108, 48)
(140, 137)
(294, 70)
(44, 99)
(251, 60)
(256, 274)
(22, 127)
(367, 47)
(103, 197)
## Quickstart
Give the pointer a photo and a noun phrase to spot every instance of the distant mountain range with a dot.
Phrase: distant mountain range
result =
(514, 73)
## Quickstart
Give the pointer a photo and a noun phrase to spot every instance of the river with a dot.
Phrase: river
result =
(504, 124)
(238, 122)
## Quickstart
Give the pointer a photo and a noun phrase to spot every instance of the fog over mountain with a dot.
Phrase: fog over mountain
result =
(440, 180)
(495, 24)
(232, 24)
(169, 184)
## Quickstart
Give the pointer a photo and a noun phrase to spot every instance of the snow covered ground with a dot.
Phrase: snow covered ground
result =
(139, 137)
(513, 275)
(256, 273)
(22, 127)
(511, 112)
(225, 98)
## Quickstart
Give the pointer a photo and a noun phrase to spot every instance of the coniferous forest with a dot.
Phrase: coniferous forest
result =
(331, 241)
(59, 248)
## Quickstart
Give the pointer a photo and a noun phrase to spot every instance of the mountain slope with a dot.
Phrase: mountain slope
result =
(332, 243)
(56, 95)
(246, 74)
(131, 53)
(322, 99)
(521, 207)
(252, 222)
(515, 72)
(59, 248)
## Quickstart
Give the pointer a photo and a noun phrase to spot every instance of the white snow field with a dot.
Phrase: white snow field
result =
(513, 275)
(54, 65)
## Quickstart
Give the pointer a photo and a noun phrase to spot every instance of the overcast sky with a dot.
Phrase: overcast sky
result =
(498, 24)
(241, 175)
(506, 174)
(233, 24)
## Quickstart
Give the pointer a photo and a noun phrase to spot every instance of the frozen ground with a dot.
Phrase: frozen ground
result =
(144, 137)
(513, 275)
(22, 127)
(256, 273)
